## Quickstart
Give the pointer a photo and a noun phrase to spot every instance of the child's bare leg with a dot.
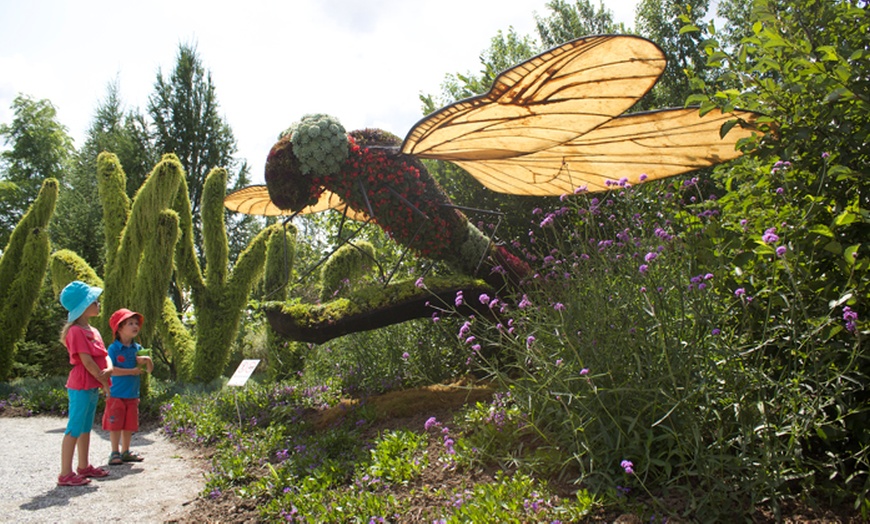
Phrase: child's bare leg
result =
(66, 454)
(84, 445)
(126, 438)
(115, 440)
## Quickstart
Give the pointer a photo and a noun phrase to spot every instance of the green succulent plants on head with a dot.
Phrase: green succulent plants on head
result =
(319, 143)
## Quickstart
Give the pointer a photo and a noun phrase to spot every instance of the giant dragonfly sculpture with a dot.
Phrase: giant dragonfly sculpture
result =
(546, 127)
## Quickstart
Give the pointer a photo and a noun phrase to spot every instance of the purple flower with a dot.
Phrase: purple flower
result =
(739, 292)
(780, 191)
(558, 361)
(459, 299)
(530, 340)
(484, 298)
(781, 250)
(584, 372)
(643, 268)
(649, 257)
(716, 331)
(825, 154)
(558, 306)
(851, 318)
(628, 466)
(642, 177)
(419, 282)
(524, 302)
(430, 423)
(770, 236)
(406, 355)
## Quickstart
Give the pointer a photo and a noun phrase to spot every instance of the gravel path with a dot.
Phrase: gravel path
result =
(160, 489)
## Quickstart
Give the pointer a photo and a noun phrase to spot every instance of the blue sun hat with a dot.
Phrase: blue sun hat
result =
(76, 297)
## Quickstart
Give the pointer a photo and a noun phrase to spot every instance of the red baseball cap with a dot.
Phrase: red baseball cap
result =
(118, 317)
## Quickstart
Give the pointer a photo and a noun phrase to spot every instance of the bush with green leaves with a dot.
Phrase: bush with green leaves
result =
(633, 342)
(398, 457)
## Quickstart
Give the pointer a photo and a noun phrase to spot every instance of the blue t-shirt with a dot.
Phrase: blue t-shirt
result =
(124, 386)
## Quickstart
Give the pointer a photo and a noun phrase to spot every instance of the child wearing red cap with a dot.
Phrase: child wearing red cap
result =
(121, 417)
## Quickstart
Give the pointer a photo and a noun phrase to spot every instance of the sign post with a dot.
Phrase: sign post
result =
(239, 378)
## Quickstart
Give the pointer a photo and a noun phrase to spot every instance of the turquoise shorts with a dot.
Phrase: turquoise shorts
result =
(82, 409)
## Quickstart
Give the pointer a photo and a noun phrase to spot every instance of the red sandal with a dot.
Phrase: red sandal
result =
(72, 479)
(91, 471)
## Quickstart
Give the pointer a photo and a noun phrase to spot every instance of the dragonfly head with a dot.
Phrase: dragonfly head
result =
(306, 154)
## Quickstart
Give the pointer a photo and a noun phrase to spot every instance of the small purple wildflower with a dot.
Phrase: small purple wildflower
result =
(628, 466)
(770, 236)
(406, 355)
(851, 318)
(558, 306)
(484, 298)
(739, 292)
(643, 268)
(584, 372)
(419, 282)
(781, 251)
(530, 340)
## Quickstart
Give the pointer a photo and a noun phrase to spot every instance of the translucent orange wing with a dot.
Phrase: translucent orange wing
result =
(544, 102)
(254, 200)
(656, 144)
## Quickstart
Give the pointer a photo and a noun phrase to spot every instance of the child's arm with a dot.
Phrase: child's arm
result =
(146, 361)
(94, 369)
(117, 372)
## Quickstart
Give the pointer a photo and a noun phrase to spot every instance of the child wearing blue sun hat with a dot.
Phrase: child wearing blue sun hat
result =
(91, 371)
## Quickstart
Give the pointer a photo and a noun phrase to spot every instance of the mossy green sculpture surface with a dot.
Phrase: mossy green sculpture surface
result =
(285, 356)
(373, 307)
(22, 268)
(149, 238)
(346, 266)
(218, 297)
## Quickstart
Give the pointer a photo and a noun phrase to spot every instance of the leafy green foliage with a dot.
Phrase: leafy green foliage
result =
(186, 121)
(40, 149)
(397, 458)
(567, 22)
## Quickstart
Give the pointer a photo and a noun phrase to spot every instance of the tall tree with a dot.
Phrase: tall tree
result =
(78, 224)
(662, 21)
(567, 22)
(40, 149)
(186, 121)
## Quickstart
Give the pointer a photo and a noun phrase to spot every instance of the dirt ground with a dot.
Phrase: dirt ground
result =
(159, 489)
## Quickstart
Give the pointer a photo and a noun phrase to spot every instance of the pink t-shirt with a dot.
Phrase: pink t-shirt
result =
(84, 340)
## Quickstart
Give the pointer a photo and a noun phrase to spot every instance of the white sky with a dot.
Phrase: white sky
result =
(365, 62)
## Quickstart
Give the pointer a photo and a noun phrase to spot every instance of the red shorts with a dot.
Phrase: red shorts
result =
(122, 414)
